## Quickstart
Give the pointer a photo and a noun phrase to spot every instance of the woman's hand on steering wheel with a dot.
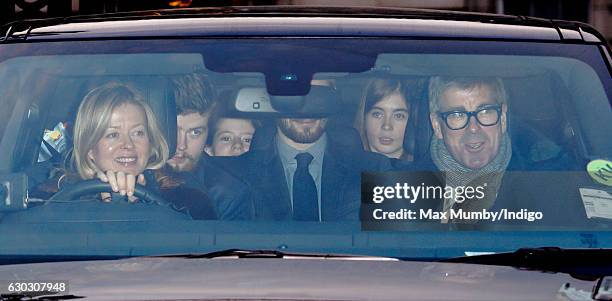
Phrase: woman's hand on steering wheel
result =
(121, 182)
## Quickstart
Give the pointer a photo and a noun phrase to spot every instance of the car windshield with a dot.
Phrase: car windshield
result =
(391, 147)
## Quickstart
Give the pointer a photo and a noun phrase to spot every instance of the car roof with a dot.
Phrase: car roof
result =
(301, 21)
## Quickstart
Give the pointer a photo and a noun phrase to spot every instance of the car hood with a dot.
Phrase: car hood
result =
(147, 278)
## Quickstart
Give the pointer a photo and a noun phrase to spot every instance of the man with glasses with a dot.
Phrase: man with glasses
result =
(471, 147)
(470, 143)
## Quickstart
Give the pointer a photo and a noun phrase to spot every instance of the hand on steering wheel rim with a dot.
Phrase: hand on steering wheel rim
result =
(96, 186)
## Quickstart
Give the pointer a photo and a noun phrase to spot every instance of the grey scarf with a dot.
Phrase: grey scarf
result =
(459, 175)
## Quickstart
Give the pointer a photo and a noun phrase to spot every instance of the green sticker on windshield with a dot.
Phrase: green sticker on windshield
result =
(601, 171)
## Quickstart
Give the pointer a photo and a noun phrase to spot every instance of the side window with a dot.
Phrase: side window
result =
(539, 132)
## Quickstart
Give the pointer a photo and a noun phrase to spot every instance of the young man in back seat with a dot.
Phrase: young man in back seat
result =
(212, 193)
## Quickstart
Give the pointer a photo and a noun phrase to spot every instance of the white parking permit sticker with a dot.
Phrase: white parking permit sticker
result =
(468, 253)
(597, 203)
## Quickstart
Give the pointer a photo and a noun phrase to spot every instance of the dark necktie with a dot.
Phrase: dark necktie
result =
(305, 200)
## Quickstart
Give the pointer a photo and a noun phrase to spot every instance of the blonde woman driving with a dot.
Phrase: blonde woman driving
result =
(117, 138)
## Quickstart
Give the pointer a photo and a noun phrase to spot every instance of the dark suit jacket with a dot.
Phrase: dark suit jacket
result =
(229, 194)
(340, 181)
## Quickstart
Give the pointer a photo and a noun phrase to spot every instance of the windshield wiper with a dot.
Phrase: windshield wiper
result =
(244, 253)
(46, 297)
(586, 264)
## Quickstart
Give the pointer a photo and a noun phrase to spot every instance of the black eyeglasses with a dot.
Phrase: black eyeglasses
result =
(486, 116)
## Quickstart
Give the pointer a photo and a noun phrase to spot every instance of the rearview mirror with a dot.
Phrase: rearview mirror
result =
(321, 101)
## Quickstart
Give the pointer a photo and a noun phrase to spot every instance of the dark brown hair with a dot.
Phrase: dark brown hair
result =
(221, 111)
(193, 93)
(375, 91)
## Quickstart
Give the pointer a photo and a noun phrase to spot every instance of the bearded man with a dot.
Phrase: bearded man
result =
(306, 173)
(190, 180)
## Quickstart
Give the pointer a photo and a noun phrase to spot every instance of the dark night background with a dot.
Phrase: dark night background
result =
(595, 12)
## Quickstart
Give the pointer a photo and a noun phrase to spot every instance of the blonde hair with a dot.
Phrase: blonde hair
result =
(93, 118)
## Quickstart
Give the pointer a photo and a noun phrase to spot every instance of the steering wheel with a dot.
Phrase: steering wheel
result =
(96, 186)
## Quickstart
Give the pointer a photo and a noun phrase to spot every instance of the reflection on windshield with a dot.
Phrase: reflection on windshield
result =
(422, 141)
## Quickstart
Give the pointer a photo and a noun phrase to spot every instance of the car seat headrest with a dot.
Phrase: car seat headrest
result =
(419, 127)
(159, 94)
